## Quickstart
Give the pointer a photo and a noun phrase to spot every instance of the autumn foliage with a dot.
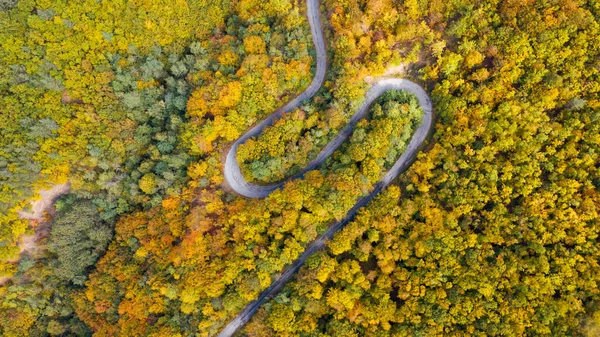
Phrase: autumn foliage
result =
(492, 231)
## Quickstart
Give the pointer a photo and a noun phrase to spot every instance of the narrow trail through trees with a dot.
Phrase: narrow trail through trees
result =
(238, 183)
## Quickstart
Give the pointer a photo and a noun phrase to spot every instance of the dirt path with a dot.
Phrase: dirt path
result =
(41, 206)
(238, 183)
(39, 209)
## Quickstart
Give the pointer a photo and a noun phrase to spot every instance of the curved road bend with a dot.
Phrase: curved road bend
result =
(233, 174)
(236, 180)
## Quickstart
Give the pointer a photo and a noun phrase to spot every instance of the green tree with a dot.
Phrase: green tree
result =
(77, 238)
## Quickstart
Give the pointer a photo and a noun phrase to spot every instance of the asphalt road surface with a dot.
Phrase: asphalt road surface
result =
(238, 183)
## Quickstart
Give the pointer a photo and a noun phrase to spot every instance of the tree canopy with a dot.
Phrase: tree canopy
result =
(492, 231)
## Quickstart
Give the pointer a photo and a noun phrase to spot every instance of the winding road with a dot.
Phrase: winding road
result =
(238, 183)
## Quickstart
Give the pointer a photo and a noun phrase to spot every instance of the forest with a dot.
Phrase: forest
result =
(493, 230)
